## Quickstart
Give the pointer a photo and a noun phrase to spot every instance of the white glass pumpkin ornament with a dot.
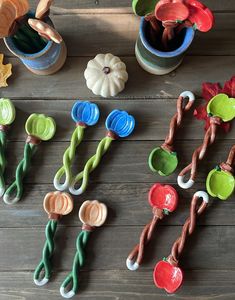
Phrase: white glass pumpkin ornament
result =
(106, 75)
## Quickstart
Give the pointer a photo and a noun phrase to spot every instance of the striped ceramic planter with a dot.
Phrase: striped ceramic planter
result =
(160, 62)
(45, 62)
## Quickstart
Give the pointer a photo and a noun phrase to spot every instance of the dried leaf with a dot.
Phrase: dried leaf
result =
(200, 112)
(229, 87)
(226, 126)
(5, 72)
(209, 90)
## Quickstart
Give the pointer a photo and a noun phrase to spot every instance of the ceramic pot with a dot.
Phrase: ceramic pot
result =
(156, 61)
(45, 62)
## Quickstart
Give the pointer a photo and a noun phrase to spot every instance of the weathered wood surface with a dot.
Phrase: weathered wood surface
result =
(127, 202)
(119, 31)
(152, 123)
(109, 247)
(92, 5)
(70, 84)
(122, 285)
(124, 162)
(123, 179)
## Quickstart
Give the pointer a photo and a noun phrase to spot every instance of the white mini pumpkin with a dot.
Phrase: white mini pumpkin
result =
(106, 75)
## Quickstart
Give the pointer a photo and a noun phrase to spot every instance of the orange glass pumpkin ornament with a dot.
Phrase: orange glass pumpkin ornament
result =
(57, 204)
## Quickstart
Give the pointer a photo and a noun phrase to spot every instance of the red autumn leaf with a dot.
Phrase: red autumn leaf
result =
(226, 126)
(209, 90)
(229, 87)
(200, 112)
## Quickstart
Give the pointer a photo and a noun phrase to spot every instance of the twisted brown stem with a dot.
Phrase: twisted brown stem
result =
(188, 228)
(176, 121)
(199, 154)
(228, 165)
(136, 256)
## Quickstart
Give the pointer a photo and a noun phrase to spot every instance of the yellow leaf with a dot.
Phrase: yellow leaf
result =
(5, 72)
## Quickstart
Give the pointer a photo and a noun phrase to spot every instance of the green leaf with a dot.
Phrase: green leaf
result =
(143, 7)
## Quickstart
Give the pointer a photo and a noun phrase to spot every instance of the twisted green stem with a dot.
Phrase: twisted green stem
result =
(68, 159)
(48, 249)
(78, 263)
(3, 142)
(16, 186)
(91, 164)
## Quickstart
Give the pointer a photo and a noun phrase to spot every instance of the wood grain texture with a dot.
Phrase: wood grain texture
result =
(127, 203)
(119, 32)
(125, 162)
(70, 83)
(121, 5)
(123, 179)
(152, 120)
(211, 247)
(122, 285)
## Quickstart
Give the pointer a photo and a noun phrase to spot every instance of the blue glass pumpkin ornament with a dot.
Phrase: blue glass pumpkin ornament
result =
(85, 112)
(120, 123)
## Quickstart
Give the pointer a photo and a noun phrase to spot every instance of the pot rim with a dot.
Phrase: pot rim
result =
(189, 36)
(12, 47)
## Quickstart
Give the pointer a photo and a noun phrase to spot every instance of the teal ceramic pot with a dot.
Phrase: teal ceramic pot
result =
(45, 62)
(156, 61)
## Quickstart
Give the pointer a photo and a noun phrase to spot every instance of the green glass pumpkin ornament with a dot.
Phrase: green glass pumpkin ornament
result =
(220, 182)
(7, 112)
(222, 106)
(7, 117)
(39, 128)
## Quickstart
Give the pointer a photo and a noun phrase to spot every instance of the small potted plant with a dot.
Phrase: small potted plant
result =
(31, 36)
(167, 29)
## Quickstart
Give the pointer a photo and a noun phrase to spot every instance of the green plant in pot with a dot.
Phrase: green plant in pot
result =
(31, 36)
(167, 29)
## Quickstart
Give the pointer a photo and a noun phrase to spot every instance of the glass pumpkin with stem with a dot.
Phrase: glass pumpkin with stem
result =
(84, 114)
(56, 204)
(119, 124)
(7, 117)
(39, 128)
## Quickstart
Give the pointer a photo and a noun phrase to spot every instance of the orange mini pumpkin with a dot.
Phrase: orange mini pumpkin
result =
(93, 213)
(58, 203)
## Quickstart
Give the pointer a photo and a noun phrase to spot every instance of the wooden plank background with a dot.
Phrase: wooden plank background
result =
(123, 179)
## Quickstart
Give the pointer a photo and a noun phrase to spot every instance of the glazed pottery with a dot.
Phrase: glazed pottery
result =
(157, 61)
(220, 184)
(45, 62)
(167, 276)
(106, 75)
